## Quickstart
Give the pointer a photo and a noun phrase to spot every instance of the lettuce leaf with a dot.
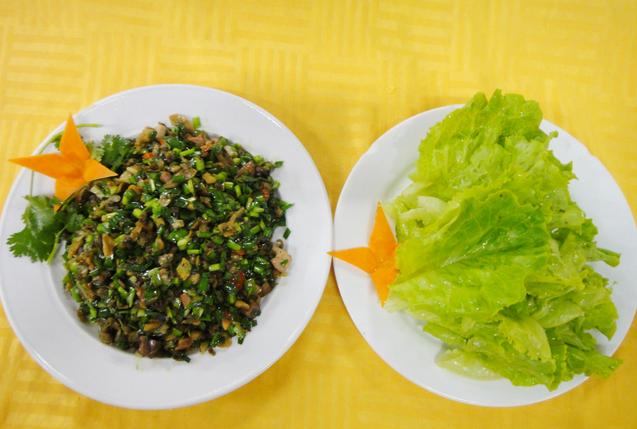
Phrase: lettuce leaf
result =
(495, 253)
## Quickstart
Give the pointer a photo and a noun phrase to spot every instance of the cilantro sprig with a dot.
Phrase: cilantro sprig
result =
(41, 227)
(114, 150)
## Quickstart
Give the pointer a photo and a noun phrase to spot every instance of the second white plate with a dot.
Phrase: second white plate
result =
(381, 174)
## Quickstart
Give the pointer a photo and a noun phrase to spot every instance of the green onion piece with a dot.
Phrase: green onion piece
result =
(214, 267)
(76, 294)
(120, 272)
(286, 234)
(234, 246)
(196, 122)
(183, 243)
(203, 285)
(177, 234)
(152, 203)
(122, 292)
(214, 342)
(188, 152)
(251, 286)
(155, 278)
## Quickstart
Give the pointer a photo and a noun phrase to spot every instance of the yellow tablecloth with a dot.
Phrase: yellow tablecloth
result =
(338, 74)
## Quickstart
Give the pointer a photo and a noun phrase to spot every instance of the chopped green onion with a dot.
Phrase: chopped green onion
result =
(187, 152)
(183, 243)
(203, 285)
(234, 246)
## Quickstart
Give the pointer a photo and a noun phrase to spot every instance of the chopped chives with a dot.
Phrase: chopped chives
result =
(187, 152)
(234, 246)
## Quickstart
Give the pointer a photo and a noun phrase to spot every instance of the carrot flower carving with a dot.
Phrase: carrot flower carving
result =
(379, 259)
(71, 168)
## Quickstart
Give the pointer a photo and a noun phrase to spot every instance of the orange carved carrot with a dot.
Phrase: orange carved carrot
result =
(379, 259)
(72, 168)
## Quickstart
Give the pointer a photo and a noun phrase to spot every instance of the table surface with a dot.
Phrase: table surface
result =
(338, 74)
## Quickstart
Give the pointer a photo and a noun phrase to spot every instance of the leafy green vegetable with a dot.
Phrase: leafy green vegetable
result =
(495, 252)
(42, 228)
(41, 225)
(115, 150)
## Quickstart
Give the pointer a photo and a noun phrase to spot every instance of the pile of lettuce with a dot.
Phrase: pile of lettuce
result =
(495, 254)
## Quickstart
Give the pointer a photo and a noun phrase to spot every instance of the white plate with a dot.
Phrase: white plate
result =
(43, 316)
(381, 174)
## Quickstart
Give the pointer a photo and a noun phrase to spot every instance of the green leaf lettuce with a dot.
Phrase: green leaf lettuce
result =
(495, 253)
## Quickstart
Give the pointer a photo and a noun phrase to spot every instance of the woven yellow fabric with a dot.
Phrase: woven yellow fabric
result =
(338, 74)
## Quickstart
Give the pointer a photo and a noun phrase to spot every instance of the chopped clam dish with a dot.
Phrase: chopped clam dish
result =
(176, 253)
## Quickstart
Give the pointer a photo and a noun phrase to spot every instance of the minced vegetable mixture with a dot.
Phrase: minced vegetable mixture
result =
(175, 254)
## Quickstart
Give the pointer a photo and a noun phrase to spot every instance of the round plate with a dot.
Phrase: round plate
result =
(381, 174)
(43, 316)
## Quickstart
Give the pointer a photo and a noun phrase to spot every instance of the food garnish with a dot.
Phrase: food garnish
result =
(72, 168)
(175, 253)
(378, 259)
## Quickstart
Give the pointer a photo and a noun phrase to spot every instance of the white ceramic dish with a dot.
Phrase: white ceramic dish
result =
(43, 316)
(381, 174)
